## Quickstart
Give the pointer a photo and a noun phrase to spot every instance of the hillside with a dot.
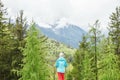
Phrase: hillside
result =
(55, 48)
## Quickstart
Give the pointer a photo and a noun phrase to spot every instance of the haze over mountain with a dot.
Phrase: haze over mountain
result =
(63, 31)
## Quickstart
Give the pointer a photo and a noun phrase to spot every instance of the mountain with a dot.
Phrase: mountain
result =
(63, 31)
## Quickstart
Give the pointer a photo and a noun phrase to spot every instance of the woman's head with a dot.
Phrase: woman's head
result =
(61, 54)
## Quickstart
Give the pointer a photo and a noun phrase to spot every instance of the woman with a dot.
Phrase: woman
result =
(61, 64)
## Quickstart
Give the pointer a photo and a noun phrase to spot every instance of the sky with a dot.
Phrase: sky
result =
(80, 12)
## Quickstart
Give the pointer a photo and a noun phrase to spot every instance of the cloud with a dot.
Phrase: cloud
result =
(80, 12)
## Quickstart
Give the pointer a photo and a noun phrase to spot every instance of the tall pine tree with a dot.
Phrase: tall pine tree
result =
(109, 69)
(94, 35)
(6, 45)
(19, 32)
(114, 30)
(82, 62)
(34, 63)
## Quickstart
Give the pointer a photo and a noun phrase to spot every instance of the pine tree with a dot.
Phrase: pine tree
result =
(35, 66)
(94, 35)
(19, 30)
(86, 62)
(6, 45)
(114, 29)
(76, 72)
(109, 69)
(20, 27)
(81, 63)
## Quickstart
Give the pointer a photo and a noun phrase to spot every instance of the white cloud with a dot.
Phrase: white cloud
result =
(80, 12)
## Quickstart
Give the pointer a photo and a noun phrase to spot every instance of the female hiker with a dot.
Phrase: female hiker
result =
(61, 64)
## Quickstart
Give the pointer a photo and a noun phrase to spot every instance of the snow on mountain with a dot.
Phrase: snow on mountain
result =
(60, 23)
(63, 31)
(44, 25)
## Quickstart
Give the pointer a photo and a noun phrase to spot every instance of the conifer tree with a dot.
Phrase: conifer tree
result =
(94, 35)
(34, 63)
(19, 32)
(6, 45)
(81, 63)
(114, 30)
(86, 62)
(109, 62)
(76, 72)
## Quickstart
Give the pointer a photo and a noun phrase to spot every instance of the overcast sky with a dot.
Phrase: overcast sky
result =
(79, 12)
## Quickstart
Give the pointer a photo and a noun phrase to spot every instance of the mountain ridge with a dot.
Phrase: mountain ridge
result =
(64, 32)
